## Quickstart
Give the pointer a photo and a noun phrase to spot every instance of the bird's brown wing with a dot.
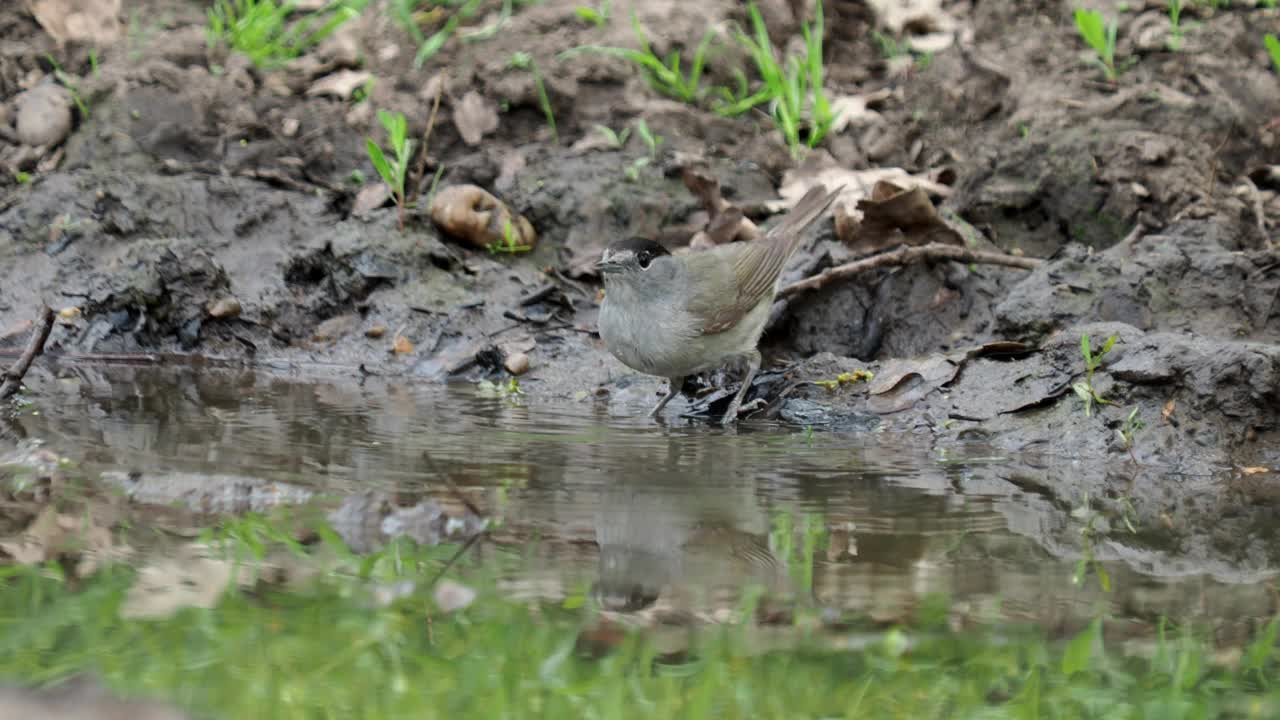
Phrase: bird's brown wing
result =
(731, 292)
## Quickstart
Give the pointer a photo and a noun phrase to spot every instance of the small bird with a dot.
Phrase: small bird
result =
(675, 316)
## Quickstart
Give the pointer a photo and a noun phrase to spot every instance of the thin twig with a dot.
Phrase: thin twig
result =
(908, 256)
(35, 346)
(426, 136)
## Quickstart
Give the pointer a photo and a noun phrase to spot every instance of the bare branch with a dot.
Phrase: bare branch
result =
(908, 256)
(35, 346)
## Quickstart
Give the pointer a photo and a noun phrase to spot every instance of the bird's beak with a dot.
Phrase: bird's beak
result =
(607, 264)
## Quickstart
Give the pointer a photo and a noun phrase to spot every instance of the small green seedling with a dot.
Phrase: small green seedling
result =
(524, 61)
(615, 139)
(73, 88)
(1085, 513)
(1132, 424)
(793, 88)
(1091, 362)
(1101, 36)
(393, 172)
(651, 141)
(1174, 42)
(1273, 49)
(889, 47)
(508, 244)
(261, 30)
(666, 76)
(597, 16)
(22, 177)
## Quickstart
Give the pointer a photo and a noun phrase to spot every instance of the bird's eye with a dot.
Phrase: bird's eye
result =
(645, 257)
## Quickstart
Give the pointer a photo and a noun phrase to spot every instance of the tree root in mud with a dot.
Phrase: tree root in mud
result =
(35, 346)
(907, 256)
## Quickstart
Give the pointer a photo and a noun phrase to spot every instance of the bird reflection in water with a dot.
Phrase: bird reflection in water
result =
(697, 549)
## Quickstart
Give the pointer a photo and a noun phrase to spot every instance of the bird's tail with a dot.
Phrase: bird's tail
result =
(809, 208)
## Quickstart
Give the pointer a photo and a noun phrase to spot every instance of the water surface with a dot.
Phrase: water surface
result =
(647, 515)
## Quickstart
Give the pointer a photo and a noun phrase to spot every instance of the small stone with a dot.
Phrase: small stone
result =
(335, 327)
(376, 331)
(227, 307)
(517, 363)
(290, 126)
(43, 115)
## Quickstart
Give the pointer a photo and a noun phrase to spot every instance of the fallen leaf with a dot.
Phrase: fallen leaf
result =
(475, 117)
(371, 197)
(1167, 411)
(93, 22)
(341, 84)
(22, 327)
(470, 213)
(855, 110)
(1254, 470)
(167, 585)
(902, 383)
(401, 345)
(918, 16)
(51, 535)
(451, 596)
(893, 216)
(856, 186)
(376, 332)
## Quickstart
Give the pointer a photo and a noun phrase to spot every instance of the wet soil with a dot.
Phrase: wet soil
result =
(206, 208)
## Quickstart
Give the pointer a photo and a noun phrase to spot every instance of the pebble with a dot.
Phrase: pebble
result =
(226, 307)
(43, 115)
(376, 331)
(517, 363)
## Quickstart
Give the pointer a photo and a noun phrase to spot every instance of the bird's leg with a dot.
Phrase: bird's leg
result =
(674, 390)
(753, 364)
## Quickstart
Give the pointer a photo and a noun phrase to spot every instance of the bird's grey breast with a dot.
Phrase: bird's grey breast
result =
(646, 329)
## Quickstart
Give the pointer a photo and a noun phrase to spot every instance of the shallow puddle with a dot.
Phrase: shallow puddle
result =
(645, 516)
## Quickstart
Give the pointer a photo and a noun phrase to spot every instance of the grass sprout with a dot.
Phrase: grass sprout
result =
(1174, 42)
(524, 61)
(263, 32)
(508, 244)
(616, 139)
(395, 169)
(793, 88)
(598, 16)
(1273, 49)
(1092, 360)
(668, 75)
(1100, 35)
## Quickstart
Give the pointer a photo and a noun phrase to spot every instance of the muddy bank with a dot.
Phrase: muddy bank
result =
(206, 207)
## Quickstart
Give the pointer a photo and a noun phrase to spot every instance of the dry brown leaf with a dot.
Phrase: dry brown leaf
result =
(51, 535)
(340, 84)
(894, 216)
(1167, 411)
(855, 110)
(402, 346)
(475, 117)
(451, 596)
(902, 383)
(914, 16)
(1254, 470)
(371, 197)
(169, 584)
(93, 22)
(471, 214)
(856, 185)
